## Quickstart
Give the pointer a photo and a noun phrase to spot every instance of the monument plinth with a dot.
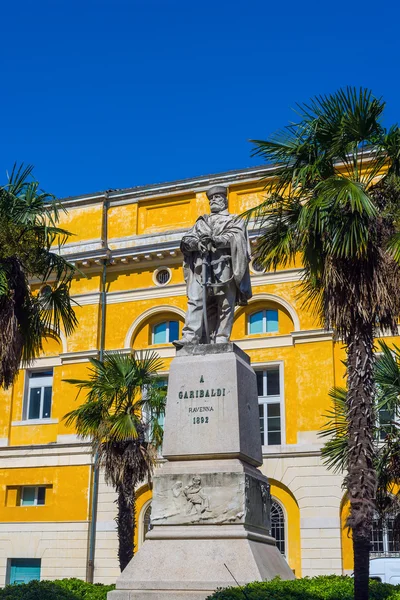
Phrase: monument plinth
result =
(211, 505)
(209, 389)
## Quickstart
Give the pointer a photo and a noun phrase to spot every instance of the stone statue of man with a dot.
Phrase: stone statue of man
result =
(221, 240)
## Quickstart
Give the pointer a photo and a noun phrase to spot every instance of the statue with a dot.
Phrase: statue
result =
(216, 268)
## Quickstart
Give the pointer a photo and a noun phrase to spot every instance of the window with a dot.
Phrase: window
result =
(23, 570)
(257, 266)
(278, 526)
(162, 276)
(386, 418)
(263, 321)
(147, 415)
(383, 540)
(165, 332)
(33, 495)
(38, 395)
(269, 403)
(162, 384)
(146, 522)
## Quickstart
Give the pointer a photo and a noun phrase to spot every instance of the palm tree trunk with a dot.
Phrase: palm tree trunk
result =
(361, 477)
(125, 522)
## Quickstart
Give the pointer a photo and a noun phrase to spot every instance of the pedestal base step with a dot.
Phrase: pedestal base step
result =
(192, 569)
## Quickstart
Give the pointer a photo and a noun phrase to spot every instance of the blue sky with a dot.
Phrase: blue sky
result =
(109, 94)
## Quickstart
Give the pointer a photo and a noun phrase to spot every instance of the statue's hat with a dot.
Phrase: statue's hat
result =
(217, 189)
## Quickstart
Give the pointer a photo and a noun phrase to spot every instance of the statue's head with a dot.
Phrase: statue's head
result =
(218, 198)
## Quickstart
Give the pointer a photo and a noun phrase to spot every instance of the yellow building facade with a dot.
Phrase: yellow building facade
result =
(47, 471)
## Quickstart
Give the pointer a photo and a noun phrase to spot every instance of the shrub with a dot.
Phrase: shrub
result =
(85, 591)
(62, 589)
(329, 587)
(36, 590)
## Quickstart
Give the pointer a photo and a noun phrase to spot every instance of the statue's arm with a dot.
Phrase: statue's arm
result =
(222, 241)
(189, 243)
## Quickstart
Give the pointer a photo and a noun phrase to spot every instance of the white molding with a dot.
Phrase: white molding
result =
(178, 289)
(148, 241)
(312, 335)
(169, 291)
(3, 442)
(46, 451)
(85, 299)
(272, 341)
(149, 313)
(78, 357)
(175, 188)
(34, 422)
(288, 450)
(274, 277)
(42, 526)
(69, 438)
(42, 363)
(278, 300)
(85, 246)
(164, 352)
(166, 291)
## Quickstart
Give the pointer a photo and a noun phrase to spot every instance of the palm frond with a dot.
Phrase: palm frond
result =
(387, 377)
(335, 451)
(393, 246)
(56, 309)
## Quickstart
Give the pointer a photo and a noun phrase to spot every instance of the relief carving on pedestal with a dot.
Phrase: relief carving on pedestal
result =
(211, 498)
(197, 501)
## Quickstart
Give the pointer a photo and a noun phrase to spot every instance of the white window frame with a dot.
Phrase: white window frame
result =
(168, 341)
(35, 501)
(264, 321)
(274, 399)
(385, 539)
(35, 382)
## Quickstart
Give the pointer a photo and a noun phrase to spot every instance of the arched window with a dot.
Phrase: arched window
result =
(383, 540)
(165, 332)
(263, 321)
(146, 522)
(278, 526)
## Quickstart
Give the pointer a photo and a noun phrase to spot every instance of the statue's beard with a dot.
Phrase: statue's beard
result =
(216, 207)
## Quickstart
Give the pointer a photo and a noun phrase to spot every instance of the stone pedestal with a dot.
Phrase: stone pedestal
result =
(211, 505)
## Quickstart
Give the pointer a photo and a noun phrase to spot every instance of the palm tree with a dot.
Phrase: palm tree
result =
(122, 423)
(333, 202)
(386, 458)
(28, 230)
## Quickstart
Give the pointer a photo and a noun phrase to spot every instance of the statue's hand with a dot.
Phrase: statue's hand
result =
(204, 243)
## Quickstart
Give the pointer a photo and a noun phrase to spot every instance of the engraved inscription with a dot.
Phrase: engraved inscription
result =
(199, 420)
(213, 393)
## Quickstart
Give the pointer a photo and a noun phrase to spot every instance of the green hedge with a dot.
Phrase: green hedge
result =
(329, 587)
(62, 589)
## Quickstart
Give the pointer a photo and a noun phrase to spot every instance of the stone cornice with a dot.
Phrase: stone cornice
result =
(194, 184)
